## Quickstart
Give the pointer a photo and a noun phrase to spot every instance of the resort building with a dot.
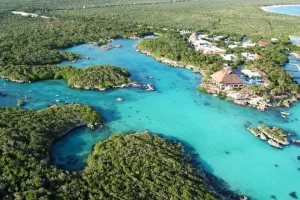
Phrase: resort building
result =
(217, 37)
(251, 74)
(204, 46)
(227, 79)
(248, 43)
(274, 40)
(212, 50)
(264, 42)
(249, 56)
(185, 32)
(232, 46)
(202, 43)
(193, 38)
(229, 57)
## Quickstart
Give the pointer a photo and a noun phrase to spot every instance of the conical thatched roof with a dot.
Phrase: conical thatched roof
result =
(227, 76)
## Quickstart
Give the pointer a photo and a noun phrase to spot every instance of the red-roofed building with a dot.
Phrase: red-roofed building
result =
(226, 79)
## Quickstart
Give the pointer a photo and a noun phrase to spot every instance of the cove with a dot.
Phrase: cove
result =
(293, 10)
(216, 129)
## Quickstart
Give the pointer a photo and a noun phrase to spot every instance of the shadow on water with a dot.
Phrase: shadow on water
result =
(216, 183)
(108, 115)
(67, 160)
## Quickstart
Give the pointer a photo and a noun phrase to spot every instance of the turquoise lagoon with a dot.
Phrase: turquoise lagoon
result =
(214, 128)
(293, 10)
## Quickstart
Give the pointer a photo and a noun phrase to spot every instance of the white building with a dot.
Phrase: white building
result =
(232, 46)
(249, 56)
(248, 43)
(229, 57)
(251, 74)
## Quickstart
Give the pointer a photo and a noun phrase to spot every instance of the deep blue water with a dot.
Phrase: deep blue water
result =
(216, 129)
(293, 10)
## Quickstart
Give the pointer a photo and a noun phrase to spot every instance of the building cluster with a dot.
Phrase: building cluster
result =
(226, 78)
(205, 46)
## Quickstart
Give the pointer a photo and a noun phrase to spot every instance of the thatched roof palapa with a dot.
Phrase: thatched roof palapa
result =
(227, 76)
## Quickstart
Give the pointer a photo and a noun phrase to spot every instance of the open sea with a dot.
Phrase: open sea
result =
(214, 128)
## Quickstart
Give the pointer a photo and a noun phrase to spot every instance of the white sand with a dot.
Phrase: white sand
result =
(28, 14)
(266, 8)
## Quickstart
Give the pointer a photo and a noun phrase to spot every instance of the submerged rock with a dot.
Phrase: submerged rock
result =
(293, 195)
(273, 197)
(2, 94)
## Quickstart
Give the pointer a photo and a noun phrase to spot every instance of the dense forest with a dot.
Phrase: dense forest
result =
(26, 138)
(230, 16)
(95, 77)
(144, 166)
(118, 168)
(175, 47)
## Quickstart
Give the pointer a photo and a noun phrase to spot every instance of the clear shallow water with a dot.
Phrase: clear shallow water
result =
(214, 128)
(293, 10)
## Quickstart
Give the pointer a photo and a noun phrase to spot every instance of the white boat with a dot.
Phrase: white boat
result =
(285, 113)
(119, 99)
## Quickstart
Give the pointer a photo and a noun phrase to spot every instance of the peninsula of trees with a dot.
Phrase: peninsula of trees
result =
(95, 77)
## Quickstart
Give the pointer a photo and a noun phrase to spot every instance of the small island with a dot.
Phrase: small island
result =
(276, 137)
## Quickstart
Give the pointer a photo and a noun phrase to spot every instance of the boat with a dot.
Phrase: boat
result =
(285, 113)
(119, 99)
(283, 116)
(149, 87)
(57, 100)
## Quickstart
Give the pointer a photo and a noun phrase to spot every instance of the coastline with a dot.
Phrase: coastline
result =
(171, 62)
(266, 8)
(208, 88)
(236, 97)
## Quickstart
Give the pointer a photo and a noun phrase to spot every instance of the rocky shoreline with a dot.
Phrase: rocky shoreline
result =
(147, 87)
(275, 136)
(172, 63)
(296, 55)
(244, 98)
